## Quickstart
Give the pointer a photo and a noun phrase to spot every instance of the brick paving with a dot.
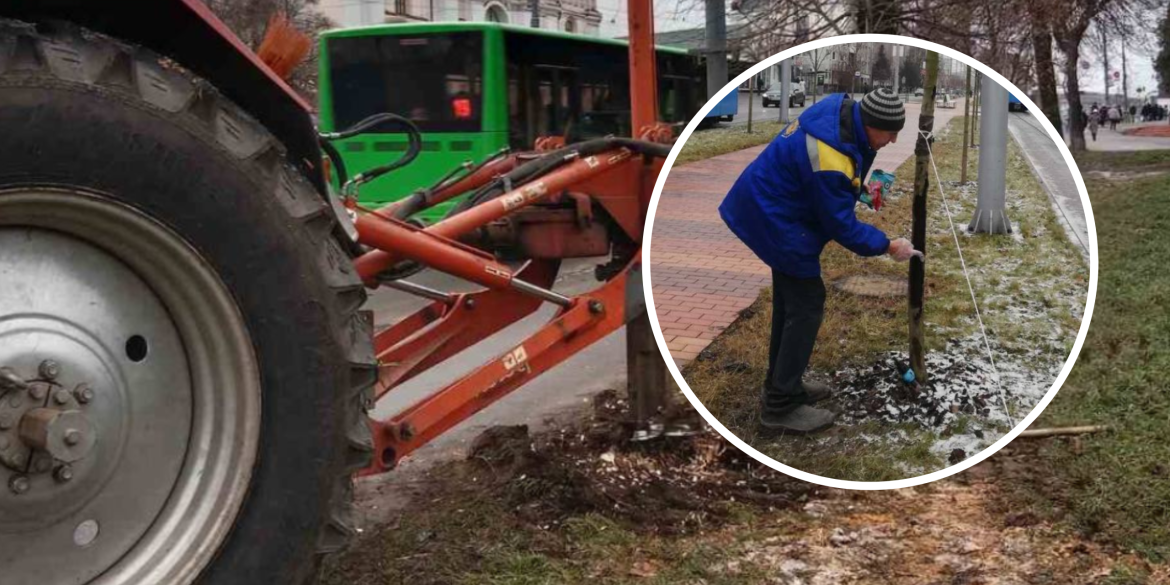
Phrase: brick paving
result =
(702, 274)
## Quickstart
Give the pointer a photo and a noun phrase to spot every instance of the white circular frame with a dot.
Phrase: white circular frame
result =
(648, 264)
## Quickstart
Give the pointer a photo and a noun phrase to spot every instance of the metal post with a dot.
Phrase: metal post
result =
(645, 366)
(897, 86)
(816, 76)
(534, 6)
(643, 73)
(716, 46)
(785, 88)
(918, 228)
(990, 215)
(751, 101)
(647, 376)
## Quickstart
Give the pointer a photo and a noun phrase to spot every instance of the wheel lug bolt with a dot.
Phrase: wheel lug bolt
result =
(19, 484)
(83, 393)
(38, 392)
(61, 397)
(49, 370)
(63, 474)
(72, 437)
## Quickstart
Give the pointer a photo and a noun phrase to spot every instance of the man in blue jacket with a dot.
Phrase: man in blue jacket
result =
(793, 199)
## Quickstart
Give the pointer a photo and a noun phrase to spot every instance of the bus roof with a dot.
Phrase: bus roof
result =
(445, 27)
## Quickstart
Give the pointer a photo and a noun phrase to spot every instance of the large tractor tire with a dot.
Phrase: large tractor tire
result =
(186, 369)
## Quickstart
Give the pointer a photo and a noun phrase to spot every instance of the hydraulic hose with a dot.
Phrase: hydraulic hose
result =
(547, 163)
(414, 146)
(420, 200)
(335, 158)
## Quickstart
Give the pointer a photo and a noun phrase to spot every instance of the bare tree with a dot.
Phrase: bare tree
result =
(984, 29)
(1124, 24)
(1069, 32)
(1040, 23)
(882, 70)
(1162, 62)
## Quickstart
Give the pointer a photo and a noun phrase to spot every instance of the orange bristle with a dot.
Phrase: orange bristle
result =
(284, 47)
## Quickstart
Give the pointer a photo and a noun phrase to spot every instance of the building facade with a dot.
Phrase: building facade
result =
(574, 16)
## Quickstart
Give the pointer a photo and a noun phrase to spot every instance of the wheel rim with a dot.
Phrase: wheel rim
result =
(128, 451)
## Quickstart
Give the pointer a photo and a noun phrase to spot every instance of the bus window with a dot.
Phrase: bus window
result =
(435, 80)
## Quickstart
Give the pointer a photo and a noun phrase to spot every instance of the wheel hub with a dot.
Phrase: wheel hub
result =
(129, 397)
(44, 428)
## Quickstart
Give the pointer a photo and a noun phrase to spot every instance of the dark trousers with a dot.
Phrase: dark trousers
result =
(798, 307)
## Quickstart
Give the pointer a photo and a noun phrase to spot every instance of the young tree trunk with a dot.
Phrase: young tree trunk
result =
(918, 230)
(1045, 68)
(1105, 61)
(969, 98)
(1124, 83)
(975, 109)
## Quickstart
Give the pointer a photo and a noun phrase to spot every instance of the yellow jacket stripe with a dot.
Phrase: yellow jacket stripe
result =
(823, 157)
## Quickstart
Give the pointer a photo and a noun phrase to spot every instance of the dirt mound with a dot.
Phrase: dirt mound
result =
(666, 485)
(956, 386)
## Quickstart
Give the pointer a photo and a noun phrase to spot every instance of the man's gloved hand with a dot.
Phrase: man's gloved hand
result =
(902, 250)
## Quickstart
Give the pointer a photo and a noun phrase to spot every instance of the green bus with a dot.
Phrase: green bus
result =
(476, 88)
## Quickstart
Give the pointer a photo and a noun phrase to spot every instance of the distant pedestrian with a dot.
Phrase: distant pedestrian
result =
(1132, 114)
(1114, 117)
(1094, 123)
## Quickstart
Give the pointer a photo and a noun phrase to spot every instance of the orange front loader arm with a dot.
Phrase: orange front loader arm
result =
(616, 180)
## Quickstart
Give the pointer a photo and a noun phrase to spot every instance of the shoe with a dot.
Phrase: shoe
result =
(816, 391)
(802, 420)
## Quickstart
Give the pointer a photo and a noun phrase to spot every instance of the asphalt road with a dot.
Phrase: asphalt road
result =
(759, 112)
(1054, 173)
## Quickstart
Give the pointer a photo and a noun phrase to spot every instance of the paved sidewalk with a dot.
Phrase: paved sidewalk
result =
(1055, 176)
(1109, 140)
(702, 274)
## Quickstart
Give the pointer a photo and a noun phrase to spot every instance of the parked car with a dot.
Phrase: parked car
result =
(775, 93)
(918, 92)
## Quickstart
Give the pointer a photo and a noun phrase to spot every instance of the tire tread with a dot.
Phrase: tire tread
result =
(71, 55)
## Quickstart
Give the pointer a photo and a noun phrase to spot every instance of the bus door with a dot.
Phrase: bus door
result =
(557, 104)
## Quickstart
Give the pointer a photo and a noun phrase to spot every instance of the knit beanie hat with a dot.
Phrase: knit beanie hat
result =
(882, 109)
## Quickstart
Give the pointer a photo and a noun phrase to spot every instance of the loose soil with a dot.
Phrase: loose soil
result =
(956, 387)
(585, 504)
